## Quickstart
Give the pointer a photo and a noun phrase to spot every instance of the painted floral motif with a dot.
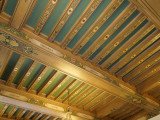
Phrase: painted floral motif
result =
(11, 42)
(13, 31)
(112, 81)
(73, 61)
(37, 102)
(136, 100)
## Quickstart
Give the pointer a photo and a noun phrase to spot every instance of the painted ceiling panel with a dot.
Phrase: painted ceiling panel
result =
(10, 6)
(89, 22)
(36, 13)
(105, 25)
(111, 42)
(74, 17)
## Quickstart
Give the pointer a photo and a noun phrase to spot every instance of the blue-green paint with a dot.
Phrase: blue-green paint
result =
(105, 25)
(133, 48)
(89, 22)
(10, 66)
(45, 78)
(10, 6)
(36, 13)
(33, 75)
(8, 110)
(75, 15)
(25, 66)
(17, 111)
(116, 33)
(55, 16)
(126, 39)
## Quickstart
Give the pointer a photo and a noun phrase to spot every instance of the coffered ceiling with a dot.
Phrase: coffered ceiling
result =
(106, 52)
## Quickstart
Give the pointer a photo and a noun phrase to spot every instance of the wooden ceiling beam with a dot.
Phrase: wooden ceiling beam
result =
(139, 59)
(121, 90)
(149, 72)
(22, 12)
(141, 68)
(115, 104)
(40, 98)
(25, 77)
(3, 109)
(147, 11)
(12, 111)
(15, 70)
(4, 118)
(149, 83)
(4, 61)
(137, 115)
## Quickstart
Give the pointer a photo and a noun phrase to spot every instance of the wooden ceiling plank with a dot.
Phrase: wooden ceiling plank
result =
(12, 111)
(126, 112)
(4, 52)
(96, 25)
(146, 65)
(55, 74)
(149, 83)
(3, 109)
(45, 117)
(137, 115)
(134, 111)
(6, 58)
(29, 115)
(107, 118)
(119, 38)
(22, 12)
(46, 58)
(149, 72)
(37, 79)
(80, 22)
(127, 45)
(81, 96)
(4, 118)
(36, 117)
(66, 91)
(74, 92)
(51, 5)
(144, 9)
(25, 77)
(89, 98)
(21, 113)
(115, 104)
(139, 48)
(58, 86)
(121, 111)
(109, 31)
(40, 109)
(15, 70)
(49, 95)
(63, 19)
(96, 100)
(103, 102)
(118, 111)
(138, 60)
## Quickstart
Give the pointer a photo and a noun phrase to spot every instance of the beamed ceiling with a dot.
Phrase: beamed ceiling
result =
(106, 52)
